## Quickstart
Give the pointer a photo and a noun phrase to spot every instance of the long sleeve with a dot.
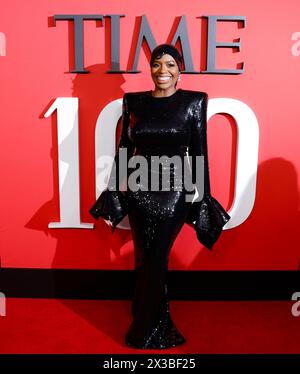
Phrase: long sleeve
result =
(207, 215)
(112, 204)
(198, 144)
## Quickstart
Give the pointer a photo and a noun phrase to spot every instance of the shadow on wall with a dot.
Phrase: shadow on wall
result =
(268, 239)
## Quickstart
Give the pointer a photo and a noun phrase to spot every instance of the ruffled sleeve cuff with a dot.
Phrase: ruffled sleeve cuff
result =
(112, 206)
(208, 218)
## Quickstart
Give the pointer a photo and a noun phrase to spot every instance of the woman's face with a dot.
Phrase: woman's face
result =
(164, 72)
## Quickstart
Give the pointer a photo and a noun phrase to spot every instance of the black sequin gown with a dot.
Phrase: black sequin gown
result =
(160, 126)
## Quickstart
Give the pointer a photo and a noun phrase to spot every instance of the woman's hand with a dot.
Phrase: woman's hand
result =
(108, 222)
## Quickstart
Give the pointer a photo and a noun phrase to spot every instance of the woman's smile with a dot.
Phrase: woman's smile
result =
(163, 78)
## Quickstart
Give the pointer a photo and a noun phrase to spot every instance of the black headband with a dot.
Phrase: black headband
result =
(167, 49)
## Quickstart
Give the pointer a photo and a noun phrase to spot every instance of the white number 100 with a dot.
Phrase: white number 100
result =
(68, 156)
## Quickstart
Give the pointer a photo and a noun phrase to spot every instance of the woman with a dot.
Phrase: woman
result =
(163, 122)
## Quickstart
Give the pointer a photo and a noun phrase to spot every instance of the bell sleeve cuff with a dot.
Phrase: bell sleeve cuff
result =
(112, 206)
(208, 218)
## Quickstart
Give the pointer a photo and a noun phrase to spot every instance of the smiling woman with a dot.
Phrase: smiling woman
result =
(165, 64)
(167, 122)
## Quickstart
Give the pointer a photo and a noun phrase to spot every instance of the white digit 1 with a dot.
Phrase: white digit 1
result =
(68, 163)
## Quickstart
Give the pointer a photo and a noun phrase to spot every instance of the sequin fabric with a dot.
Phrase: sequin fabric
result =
(161, 126)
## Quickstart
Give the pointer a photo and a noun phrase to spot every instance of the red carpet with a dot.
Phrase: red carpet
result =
(88, 326)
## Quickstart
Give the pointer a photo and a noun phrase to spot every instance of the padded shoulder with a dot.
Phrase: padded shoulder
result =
(135, 98)
(195, 95)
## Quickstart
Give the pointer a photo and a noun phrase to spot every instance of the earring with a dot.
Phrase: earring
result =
(179, 78)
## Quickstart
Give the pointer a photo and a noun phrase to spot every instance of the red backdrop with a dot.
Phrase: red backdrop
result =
(35, 61)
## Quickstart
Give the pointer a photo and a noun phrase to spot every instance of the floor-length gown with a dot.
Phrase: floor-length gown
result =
(169, 126)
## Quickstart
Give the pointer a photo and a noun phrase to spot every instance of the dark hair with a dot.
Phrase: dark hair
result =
(167, 49)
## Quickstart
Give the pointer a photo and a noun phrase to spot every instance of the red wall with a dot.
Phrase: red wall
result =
(35, 71)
